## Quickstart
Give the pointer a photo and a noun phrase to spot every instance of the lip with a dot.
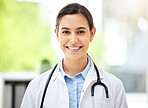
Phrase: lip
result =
(74, 48)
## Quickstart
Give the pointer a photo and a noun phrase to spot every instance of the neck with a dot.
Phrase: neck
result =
(73, 67)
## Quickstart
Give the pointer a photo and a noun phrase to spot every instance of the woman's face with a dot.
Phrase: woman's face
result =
(74, 35)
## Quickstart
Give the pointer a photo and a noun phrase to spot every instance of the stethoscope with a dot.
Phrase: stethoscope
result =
(98, 82)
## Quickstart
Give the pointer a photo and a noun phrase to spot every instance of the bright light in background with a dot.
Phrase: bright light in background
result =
(143, 24)
(95, 7)
(116, 46)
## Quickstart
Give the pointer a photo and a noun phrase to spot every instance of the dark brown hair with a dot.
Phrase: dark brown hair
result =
(75, 8)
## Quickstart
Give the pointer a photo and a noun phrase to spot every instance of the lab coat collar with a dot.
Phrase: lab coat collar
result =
(91, 75)
(57, 74)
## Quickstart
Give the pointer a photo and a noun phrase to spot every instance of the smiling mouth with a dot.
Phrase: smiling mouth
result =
(74, 48)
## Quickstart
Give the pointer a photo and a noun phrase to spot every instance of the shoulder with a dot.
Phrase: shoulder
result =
(114, 84)
(106, 77)
(40, 80)
(109, 76)
(34, 90)
(111, 80)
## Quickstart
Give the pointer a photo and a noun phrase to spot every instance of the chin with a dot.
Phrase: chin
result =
(75, 57)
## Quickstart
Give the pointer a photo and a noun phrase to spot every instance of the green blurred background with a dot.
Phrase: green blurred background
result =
(24, 37)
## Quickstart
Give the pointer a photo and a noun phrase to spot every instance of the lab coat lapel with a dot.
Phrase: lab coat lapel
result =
(91, 76)
(57, 78)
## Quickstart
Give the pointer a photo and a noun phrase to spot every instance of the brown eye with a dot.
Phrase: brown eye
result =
(80, 32)
(65, 32)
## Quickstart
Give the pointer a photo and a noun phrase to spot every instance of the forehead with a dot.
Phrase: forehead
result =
(73, 21)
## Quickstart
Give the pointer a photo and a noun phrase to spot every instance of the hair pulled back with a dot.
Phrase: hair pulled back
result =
(75, 8)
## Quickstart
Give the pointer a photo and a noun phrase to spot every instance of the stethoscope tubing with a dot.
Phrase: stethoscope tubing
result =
(99, 83)
(46, 86)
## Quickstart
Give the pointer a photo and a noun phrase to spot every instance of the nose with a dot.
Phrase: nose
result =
(73, 39)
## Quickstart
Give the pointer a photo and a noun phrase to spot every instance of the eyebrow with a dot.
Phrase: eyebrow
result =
(65, 28)
(69, 28)
(81, 28)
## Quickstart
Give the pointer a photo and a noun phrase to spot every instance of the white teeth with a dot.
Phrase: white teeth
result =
(73, 48)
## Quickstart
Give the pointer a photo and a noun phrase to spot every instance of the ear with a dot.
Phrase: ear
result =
(92, 33)
(56, 32)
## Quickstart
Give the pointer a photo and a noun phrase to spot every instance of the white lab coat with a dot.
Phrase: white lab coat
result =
(57, 92)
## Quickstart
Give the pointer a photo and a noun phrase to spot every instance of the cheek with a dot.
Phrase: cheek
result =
(85, 40)
(62, 40)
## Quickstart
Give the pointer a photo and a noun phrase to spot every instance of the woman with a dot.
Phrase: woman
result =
(72, 84)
